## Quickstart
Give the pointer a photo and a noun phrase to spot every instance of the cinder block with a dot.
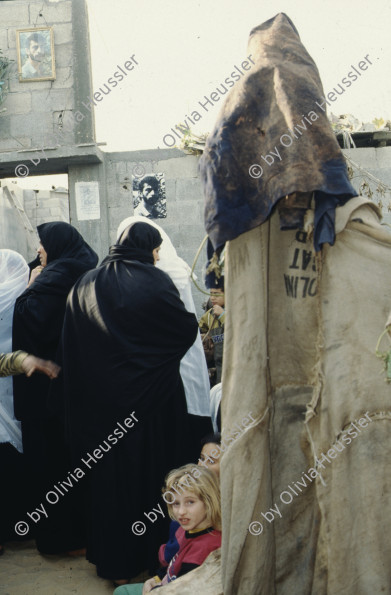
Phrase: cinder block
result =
(7, 144)
(187, 213)
(10, 144)
(37, 128)
(43, 212)
(59, 12)
(4, 43)
(62, 34)
(118, 196)
(119, 167)
(188, 189)
(46, 219)
(5, 125)
(11, 54)
(17, 103)
(54, 100)
(383, 157)
(171, 191)
(140, 168)
(185, 167)
(366, 157)
(64, 56)
(64, 78)
(116, 215)
(50, 203)
(16, 86)
(68, 119)
(14, 14)
(189, 235)
(56, 211)
(29, 206)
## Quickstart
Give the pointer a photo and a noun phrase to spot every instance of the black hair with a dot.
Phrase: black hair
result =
(151, 180)
(35, 37)
(214, 438)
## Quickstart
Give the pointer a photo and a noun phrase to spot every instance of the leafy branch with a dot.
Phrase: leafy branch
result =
(5, 66)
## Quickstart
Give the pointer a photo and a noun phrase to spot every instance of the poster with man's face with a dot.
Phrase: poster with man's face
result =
(35, 54)
(149, 196)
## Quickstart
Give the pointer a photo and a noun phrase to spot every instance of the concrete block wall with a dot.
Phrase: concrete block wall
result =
(185, 202)
(377, 161)
(12, 232)
(42, 206)
(42, 114)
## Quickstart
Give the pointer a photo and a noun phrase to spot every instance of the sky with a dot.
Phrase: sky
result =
(185, 48)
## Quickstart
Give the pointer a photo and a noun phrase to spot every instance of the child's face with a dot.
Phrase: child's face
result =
(190, 512)
(213, 463)
(217, 297)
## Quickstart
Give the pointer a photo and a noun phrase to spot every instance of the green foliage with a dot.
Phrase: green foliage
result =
(191, 143)
(5, 65)
(378, 122)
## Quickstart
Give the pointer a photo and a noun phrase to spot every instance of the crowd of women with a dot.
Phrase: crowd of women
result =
(127, 341)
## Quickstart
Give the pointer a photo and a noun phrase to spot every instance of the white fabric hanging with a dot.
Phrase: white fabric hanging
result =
(215, 399)
(193, 368)
(14, 274)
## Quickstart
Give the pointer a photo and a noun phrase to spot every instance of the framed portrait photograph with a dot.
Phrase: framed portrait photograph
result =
(149, 196)
(35, 49)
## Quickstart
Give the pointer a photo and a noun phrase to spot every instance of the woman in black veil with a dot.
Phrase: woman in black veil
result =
(37, 323)
(125, 332)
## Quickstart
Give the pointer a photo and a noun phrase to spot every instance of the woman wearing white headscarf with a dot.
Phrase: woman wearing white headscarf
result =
(14, 274)
(193, 368)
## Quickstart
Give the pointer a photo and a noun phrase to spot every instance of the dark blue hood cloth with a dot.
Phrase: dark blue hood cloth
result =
(281, 95)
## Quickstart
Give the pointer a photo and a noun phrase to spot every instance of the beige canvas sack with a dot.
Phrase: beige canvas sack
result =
(299, 353)
(300, 341)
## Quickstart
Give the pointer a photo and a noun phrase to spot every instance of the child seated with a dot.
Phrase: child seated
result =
(193, 499)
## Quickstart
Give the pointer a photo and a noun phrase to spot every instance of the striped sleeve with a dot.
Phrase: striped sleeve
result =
(11, 363)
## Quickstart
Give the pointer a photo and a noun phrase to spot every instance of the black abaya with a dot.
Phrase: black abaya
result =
(39, 311)
(37, 324)
(125, 332)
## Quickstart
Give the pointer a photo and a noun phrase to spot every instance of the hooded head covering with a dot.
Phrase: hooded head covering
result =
(14, 274)
(39, 310)
(62, 240)
(137, 242)
(194, 371)
(169, 262)
(272, 139)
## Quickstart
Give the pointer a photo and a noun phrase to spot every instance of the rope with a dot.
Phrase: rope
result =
(194, 264)
(369, 175)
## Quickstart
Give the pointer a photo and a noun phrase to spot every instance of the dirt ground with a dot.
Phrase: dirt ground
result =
(23, 571)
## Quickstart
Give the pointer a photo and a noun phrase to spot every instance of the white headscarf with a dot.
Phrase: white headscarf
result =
(14, 274)
(194, 371)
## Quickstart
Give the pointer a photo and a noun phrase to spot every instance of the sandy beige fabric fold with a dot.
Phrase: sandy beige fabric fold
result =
(299, 344)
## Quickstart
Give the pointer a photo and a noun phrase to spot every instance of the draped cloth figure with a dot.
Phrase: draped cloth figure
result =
(274, 119)
(125, 332)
